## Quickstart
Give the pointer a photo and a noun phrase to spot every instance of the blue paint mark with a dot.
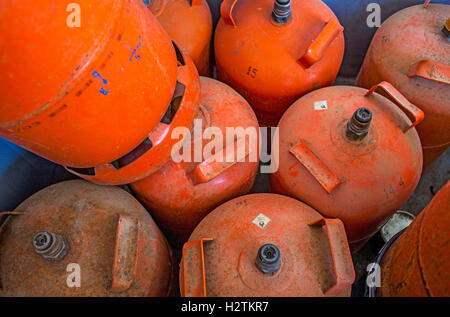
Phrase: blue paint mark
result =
(102, 90)
(97, 75)
(134, 51)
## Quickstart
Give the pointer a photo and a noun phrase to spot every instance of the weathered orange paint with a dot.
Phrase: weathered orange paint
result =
(79, 96)
(119, 249)
(271, 65)
(189, 24)
(180, 195)
(142, 162)
(410, 51)
(360, 182)
(417, 263)
(219, 259)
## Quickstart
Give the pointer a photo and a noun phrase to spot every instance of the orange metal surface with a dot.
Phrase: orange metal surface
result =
(189, 24)
(219, 259)
(82, 96)
(410, 51)
(417, 263)
(360, 182)
(180, 195)
(155, 151)
(270, 64)
(108, 234)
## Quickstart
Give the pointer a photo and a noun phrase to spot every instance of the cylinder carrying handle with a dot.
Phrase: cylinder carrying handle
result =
(430, 70)
(340, 254)
(226, 11)
(326, 178)
(192, 269)
(411, 110)
(217, 163)
(125, 253)
(319, 46)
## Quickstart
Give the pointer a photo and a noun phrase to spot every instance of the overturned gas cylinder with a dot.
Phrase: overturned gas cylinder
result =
(411, 50)
(273, 52)
(88, 104)
(79, 239)
(416, 264)
(189, 24)
(266, 245)
(155, 150)
(351, 154)
(186, 189)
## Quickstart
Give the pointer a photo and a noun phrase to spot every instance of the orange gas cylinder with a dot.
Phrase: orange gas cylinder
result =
(83, 84)
(80, 239)
(266, 245)
(411, 50)
(181, 194)
(351, 154)
(272, 53)
(417, 263)
(189, 24)
(155, 150)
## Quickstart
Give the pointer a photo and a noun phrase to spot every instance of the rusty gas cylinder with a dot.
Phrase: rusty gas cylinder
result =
(266, 245)
(90, 93)
(182, 193)
(351, 154)
(79, 239)
(189, 24)
(417, 263)
(274, 51)
(411, 50)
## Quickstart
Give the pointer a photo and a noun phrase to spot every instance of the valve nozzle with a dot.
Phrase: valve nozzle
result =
(50, 246)
(359, 124)
(281, 12)
(268, 259)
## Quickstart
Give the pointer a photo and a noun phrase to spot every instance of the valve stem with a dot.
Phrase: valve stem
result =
(281, 12)
(359, 124)
(51, 246)
(268, 259)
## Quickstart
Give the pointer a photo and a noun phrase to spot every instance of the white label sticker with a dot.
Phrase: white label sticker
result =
(261, 221)
(320, 105)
